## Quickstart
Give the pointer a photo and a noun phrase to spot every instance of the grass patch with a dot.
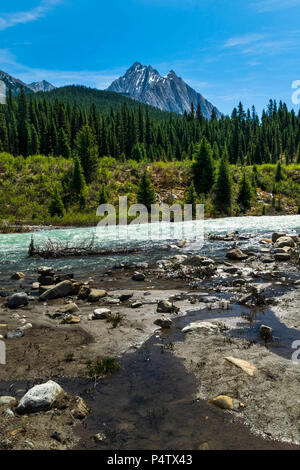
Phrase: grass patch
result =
(102, 367)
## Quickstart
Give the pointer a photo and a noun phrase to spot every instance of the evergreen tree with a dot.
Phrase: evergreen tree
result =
(78, 184)
(191, 198)
(244, 193)
(223, 186)
(279, 175)
(298, 154)
(56, 206)
(203, 168)
(146, 192)
(87, 150)
(103, 196)
(63, 147)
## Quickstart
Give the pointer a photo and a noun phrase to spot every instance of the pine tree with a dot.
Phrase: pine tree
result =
(245, 193)
(279, 175)
(78, 184)
(87, 150)
(146, 192)
(63, 147)
(103, 195)
(191, 198)
(203, 168)
(298, 154)
(56, 206)
(223, 186)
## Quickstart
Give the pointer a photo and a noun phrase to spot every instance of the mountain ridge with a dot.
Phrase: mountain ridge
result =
(15, 84)
(168, 93)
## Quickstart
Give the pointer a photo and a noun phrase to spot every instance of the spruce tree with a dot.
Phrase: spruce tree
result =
(203, 168)
(56, 206)
(146, 192)
(191, 198)
(63, 147)
(298, 154)
(87, 150)
(244, 193)
(78, 184)
(223, 186)
(103, 195)
(279, 175)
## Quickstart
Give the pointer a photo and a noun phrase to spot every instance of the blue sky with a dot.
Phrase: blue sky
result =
(228, 50)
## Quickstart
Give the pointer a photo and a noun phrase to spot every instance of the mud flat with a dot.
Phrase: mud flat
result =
(178, 329)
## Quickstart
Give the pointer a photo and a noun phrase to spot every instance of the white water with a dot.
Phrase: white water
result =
(14, 247)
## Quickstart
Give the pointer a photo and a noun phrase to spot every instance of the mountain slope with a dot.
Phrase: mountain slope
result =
(169, 93)
(14, 84)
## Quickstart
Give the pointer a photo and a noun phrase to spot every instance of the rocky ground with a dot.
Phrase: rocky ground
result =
(214, 314)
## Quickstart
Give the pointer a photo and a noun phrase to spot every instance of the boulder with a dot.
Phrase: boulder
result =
(284, 241)
(282, 256)
(139, 277)
(277, 235)
(265, 241)
(17, 300)
(40, 398)
(265, 332)
(45, 270)
(46, 280)
(137, 304)
(96, 294)
(60, 290)
(8, 401)
(200, 325)
(17, 276)
(164, 323)
(124, 297)
(101, 314)
(84, 292)
(236, 254)
(164, 306)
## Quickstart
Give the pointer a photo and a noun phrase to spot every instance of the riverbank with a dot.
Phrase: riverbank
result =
(142, 320)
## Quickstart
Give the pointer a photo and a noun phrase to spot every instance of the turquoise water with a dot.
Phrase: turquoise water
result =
(14, 247)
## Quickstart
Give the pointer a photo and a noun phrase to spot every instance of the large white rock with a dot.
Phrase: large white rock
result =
(200, 325)
(40, 398)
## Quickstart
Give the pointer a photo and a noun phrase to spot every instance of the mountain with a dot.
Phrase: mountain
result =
(41, 86)
(169, 93)
(15, 84)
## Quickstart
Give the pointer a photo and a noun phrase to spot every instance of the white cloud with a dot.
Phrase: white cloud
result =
(244, 40)
(9, 20)
(272, 5)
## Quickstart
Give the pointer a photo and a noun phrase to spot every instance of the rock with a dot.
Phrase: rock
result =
(282, 256)
(284, 241)
(69, 308)
(265, 332)
(197, 260)
(56, 436)
(76, 287)
(80, 411)
(101, 314)
(84, 292)
(40, 398)
(277, 235)
(45, 270)
(112, 301)
(96, 294)
(43, 289)
(46, 280)
(164, 306)
(182, 243)
(236, 254)
(139, 277)
(200, 325)
(8, 401)
(164, 323)
(267, 259)
(14, 334)
(244, 365)
(17, 276)
(99, 437)
(63, 277)
(230, 269)
(124, 297)
(204, 446)
(265, 241)
(60, 290)
(35, 285)
(9, 413)
(17, 300)
(137, 304)
(27, 326)
(70, 319)
(226, 403)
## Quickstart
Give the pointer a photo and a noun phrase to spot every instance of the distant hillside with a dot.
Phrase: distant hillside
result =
(103, 100)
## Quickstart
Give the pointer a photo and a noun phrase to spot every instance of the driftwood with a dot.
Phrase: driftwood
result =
(58, 249)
